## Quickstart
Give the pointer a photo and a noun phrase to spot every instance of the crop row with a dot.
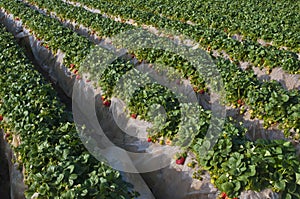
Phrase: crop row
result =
(54, 35)
(275, 21)
(57, 165)
(236, 163)
(209, 38)
(267, 101)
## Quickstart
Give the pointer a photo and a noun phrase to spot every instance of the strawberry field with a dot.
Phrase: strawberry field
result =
(254, 47)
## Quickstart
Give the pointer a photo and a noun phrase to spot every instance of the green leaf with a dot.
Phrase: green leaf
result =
(59, 178)
(227, 187)
(285, 98)
(280, 185)
(298, 178)
(73, 176)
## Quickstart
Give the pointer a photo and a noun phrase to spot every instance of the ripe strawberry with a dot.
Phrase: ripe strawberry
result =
(88, 80)
(78, 77)
(17, 18)
(6, 135)
(223, 195)
(1, 118)
(133, 115)
(240, 102)
(201, 91)
(180, 161)
(106, 103)
(72, 66)
(46, 46)
(149, 139)
(75, 71)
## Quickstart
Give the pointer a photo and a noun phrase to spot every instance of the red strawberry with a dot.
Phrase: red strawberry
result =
(6, 135)
(202, 91)
(46, 46)
(1, 118)
(180, 161)
(133, 115)
(72, 66)
(106, 103)
(223, 195)
(149, 139)
(78, 77)
(240, 102)
(88, 80)
(195, 89)
(75, 71)
(17, 18)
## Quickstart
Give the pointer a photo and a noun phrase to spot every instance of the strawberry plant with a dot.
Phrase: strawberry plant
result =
(56, 163)
(208, 37)
(236, 163)
(226, 68)
(53, 33)
(222, 16)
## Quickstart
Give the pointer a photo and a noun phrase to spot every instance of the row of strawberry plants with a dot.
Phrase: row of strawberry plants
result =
(108, 80)
(135, 101)
(228, 133)
(66, 11)
(105, 27)
(234, 17)
(235, 163)
(57, 165)
(266, 100)
(55, 36)
(281, 108)
(209, 38)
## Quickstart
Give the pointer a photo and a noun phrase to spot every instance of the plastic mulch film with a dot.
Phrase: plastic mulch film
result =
(17, 186)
